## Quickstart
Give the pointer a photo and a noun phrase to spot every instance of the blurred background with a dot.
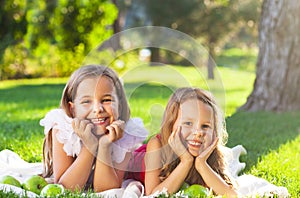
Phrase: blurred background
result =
(51, 38)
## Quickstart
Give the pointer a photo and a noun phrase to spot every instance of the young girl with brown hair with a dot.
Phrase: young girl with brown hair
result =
(188, 147)
(89, 139)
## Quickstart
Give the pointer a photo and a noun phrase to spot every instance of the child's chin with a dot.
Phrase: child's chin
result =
(194, 153)
(100, 130)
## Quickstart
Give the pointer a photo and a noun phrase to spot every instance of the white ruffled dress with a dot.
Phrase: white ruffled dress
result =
(134, 134)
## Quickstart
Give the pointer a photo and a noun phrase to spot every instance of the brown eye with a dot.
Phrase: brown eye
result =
(189, 124)
(106, 100)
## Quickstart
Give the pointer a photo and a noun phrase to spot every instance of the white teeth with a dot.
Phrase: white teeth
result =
(195, 143)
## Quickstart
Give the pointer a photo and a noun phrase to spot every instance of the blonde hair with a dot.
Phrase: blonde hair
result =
(69, 94)
(169, 158)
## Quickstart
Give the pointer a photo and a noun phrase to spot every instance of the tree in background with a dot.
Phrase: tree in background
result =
(278, 66)
(211, 21)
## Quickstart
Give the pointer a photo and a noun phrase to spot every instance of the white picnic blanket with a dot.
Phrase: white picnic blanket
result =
(248, 185)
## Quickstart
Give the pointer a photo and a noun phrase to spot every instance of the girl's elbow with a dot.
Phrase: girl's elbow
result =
(232, 193)
(57, 180)
(148, 191)
(102, 186)
(69, 185)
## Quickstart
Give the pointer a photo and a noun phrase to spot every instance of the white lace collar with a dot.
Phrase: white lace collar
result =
(134, 134)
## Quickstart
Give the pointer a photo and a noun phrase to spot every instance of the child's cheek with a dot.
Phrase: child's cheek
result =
(210, 138)
(185, 132)
(115, 111)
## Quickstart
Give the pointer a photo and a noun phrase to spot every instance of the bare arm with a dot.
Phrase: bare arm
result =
(210, 177)
(106, 175)
(70, 172)
(153, 157)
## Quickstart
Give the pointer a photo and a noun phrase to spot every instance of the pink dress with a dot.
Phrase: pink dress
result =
(136, 167)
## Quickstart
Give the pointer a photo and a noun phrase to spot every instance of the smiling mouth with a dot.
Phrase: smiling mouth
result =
(100, 121)
(195, 143)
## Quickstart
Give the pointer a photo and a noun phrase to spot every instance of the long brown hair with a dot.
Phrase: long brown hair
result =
(69, 94)
(169, 158)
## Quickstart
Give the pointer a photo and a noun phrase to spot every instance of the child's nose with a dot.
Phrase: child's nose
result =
(98, 108)
(198, 133)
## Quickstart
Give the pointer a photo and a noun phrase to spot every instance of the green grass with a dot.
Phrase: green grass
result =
(238, 59)
(272, 140)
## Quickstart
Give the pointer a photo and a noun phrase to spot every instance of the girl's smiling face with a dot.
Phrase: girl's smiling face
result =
(96, 100)
(197, 125)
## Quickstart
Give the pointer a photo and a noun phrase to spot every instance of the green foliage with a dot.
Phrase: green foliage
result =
(83, 22)
(69, 23)
(13, 26)
(14, 62)
(46, 60)
(39, 17)
(53, 37)
(12, 22)
(50, 38)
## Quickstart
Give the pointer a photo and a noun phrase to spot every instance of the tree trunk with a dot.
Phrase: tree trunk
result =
(211, 62)
(276, 86)
(155, 56)
(116, 26)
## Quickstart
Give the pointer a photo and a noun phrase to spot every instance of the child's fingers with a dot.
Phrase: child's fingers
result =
(89, 127)
(176, 132)
(111, 119)
(79, 126)
(116, 130)
(75, 123)
(176, 143)
(111, 133)
(209, 149)
(172, 136)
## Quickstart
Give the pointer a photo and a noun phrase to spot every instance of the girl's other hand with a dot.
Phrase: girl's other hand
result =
(178, 147)
(203, 156)
(114, 132)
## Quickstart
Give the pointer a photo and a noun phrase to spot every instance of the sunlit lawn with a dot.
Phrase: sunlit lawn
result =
(272, 140)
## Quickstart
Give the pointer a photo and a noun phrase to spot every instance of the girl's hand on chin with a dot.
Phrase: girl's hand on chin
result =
(204, 155)
(114, 132)
(83, 128)
(178, 147)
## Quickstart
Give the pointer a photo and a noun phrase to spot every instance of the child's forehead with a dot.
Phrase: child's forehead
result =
(192, 102)
(97, 80)
(96, 84)
(194, 105)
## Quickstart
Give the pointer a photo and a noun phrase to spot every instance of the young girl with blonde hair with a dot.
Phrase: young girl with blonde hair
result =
(89, 139)
(188, 147)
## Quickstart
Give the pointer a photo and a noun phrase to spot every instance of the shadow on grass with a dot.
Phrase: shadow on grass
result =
(261, 132)
(33, 96)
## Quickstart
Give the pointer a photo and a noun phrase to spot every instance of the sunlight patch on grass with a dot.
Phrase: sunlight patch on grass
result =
(280, 167)
(35, 81)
